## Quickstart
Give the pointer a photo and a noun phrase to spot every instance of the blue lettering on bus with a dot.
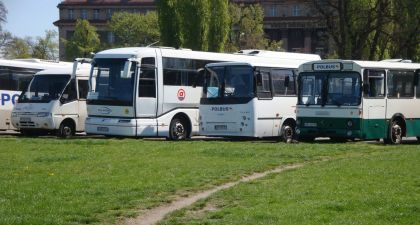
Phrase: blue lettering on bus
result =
(5, 97)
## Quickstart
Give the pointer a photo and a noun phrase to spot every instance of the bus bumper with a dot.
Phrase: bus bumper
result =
(332, 133)
(110, 126)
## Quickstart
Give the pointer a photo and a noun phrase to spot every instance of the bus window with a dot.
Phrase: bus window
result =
(400, 84)
(263, 84)
(20, 78)
(376, 80)
(147, 81)
(83, 88)
(4, 78)
(70, 93)
(283, 82)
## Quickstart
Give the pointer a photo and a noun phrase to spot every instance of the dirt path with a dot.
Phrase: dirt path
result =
(154, 215)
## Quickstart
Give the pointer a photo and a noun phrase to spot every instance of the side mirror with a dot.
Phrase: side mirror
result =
(258, 78)
(127, 70)
(286, 81)
(416, 78)
(198, 77)
(366, 88)
(64, 98)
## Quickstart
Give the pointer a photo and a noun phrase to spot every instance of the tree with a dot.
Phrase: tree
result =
(169, 22)
(246, 29)
(46, 47)
(405, 36)
(84, 41)
(219, 25)
(195, 23)
(18, 48)
(3, 14)
(132, 29)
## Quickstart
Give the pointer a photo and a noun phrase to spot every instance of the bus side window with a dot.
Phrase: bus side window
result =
(147, 80)
(70, 93)
(400, 84)
(375, 84)
(263, 84)
(20, 78)
(83, 89)
(4, 78)
(417, 83)
(283, 82)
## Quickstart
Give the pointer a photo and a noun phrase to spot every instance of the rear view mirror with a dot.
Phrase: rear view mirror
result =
(286, 81)
(126, 72)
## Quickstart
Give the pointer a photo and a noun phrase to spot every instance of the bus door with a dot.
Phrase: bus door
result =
(82, 89)
(69, 106)
(146, 100)
(374, 104)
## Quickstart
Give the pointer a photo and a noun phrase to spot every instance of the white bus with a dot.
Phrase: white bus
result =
(15, 75)
(344, 99)
(148, 92)
(255, 98)
(54, 101)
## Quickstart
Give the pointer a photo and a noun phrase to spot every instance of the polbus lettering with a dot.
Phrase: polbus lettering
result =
(5, 97)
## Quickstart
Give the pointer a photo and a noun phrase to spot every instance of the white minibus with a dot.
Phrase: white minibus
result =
(54, 101)
(15, 75)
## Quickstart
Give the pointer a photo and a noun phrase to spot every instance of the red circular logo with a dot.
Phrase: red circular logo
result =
(181, 94)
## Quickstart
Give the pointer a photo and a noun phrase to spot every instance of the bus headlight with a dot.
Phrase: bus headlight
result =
(42, 114)
(349, 123)
(349, 133)
(297, 131)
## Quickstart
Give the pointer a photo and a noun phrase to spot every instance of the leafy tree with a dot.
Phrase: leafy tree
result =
(195, 23)
(18, 48)
(3, 13)
(246, 29)
(84, 41)
(405, 36)
(219, 25)
(169, 22)
(132, 29)
(46, 47)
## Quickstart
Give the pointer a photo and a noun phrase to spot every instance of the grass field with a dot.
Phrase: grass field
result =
(376, 188)
(81, 181)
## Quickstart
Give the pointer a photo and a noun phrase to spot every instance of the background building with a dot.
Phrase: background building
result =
(291, 21)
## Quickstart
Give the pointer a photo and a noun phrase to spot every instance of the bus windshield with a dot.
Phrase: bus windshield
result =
(109, 84)
(44, 88)
(334, 88)
(229, 82)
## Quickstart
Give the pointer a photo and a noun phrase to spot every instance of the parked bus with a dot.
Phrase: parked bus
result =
(255, 98)
(344, 99)
(15, 75)
(149, 91)
(54, 101)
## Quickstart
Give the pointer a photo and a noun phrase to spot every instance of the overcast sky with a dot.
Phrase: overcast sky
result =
(30, 17)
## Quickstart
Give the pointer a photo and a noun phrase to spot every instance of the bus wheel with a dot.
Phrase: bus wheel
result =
(66, 130)
(287, 133)
(395, 134)
(178, 130)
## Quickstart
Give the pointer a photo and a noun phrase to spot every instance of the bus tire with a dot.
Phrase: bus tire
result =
(288, 133)
(395, 134)
(66, 130)
(178, 130)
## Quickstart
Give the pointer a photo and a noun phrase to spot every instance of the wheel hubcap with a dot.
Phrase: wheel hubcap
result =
(67, 131)
(179, 130)
(396, 133)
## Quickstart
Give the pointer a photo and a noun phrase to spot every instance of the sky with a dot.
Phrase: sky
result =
(30, 17)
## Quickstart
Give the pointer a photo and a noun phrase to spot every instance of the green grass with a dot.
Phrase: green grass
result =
(382, 187)
(84, 181)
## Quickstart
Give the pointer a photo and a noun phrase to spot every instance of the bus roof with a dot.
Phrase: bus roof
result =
(282, 59)
(33, 63)
(371, 64)
(82, 71)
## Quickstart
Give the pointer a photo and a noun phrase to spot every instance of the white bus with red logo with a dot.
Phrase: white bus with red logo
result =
(151, 92)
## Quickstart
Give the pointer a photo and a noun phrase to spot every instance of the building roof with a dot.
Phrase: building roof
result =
(106, 2)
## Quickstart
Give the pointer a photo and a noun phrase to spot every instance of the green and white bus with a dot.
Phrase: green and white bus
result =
(347, 100)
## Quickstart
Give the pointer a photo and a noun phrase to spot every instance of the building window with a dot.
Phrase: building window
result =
(96, 14)
(296, 11)
(70, 14)
(273, 10)
(111, 37)
(83, 14)
(109, 13)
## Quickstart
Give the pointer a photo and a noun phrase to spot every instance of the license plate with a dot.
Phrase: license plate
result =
(25, 119)
(102, 129)
(220, 127)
